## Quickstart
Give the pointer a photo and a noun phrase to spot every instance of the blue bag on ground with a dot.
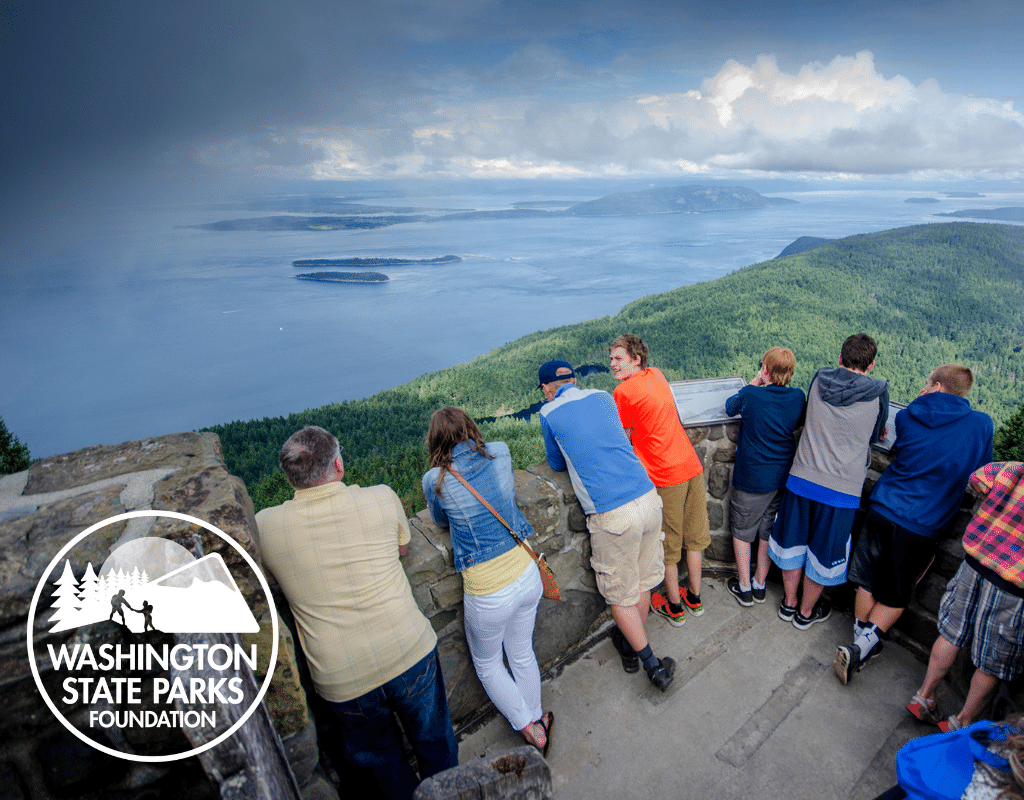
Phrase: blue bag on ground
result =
(939, 766)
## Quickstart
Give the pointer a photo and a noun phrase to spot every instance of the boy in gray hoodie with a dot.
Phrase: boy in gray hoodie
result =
(846, 412)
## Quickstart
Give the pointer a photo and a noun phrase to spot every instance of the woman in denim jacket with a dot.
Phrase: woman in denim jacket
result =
(501, 583)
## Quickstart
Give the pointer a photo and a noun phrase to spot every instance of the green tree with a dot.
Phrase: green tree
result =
(13, 454)
(271, 490)
(1010, 438)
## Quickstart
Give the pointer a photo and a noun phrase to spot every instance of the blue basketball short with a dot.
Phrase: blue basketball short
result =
(812, 536)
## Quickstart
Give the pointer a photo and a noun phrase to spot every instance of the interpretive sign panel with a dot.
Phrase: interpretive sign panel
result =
(702, 402)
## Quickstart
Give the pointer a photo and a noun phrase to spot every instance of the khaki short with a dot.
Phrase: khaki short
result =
(627, 555)
(685, 518)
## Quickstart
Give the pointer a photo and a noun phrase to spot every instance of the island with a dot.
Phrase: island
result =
(687, 199)
(921, 200)
(542, 203)
(1009, 214)
(305, 223)
(344, 277)
(372, 262)
(675, 200)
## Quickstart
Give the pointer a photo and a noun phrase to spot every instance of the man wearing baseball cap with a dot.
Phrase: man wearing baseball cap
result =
(582, 434)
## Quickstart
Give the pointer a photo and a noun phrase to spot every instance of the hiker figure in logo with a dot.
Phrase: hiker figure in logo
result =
(147, 613)
(117, 606)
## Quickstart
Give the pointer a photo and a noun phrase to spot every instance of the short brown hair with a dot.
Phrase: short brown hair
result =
(858, 351)
(633, 345)
(451, 426)
(307, 457)
(955, 379)
(779, 363)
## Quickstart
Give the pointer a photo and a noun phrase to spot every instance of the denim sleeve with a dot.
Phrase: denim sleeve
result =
(437, 513)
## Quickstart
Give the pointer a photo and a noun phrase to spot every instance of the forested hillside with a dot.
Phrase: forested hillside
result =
(929, 294)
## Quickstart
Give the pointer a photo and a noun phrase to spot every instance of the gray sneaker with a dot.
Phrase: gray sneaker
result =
(848, 660)
(822, 611)
(744, 597)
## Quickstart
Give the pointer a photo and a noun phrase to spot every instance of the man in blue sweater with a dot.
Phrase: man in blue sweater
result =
(583, 434)
(940, 441)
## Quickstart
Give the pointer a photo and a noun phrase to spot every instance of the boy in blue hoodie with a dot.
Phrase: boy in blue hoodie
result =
(940, 441)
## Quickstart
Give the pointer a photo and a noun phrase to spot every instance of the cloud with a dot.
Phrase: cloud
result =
(104, 91)
(843, 116)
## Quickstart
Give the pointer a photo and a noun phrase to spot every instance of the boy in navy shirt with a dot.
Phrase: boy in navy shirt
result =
(770, 410)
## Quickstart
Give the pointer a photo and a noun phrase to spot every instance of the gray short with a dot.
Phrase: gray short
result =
(752, 516)
(977, 612)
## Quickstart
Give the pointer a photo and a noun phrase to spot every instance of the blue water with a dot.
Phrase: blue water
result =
(132, 327)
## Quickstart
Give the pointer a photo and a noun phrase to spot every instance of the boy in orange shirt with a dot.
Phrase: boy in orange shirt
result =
(648, 412)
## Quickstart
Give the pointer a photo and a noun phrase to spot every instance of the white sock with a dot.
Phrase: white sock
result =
(866, 639)
(756, 585)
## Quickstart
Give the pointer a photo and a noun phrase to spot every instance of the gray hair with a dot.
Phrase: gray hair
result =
(307, 458)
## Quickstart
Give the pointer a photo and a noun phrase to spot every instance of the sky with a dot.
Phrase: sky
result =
(98, 97)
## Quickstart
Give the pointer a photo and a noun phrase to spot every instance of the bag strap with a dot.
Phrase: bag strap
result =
(994, 732)
(487, 505)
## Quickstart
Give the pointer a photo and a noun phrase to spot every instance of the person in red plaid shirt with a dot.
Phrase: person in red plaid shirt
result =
(984, 602)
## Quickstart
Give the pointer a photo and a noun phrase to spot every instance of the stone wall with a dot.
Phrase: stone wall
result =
(41, 510)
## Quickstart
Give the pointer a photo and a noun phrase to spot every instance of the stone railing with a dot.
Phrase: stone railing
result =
(42, 508)
(547, 500)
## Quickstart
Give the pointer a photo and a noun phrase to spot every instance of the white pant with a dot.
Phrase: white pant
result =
(500, 621)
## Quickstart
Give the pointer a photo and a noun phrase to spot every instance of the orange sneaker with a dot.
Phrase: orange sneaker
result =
(659, 605)
(694, 608)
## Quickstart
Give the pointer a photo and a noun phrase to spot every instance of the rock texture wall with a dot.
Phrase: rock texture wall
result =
(41, 510)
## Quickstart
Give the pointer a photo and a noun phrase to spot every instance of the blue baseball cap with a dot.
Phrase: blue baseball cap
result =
(556, 370)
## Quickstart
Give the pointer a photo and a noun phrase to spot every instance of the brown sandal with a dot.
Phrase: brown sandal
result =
(547, 731)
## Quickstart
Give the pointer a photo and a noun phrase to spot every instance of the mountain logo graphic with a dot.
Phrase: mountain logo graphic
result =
(194, 596)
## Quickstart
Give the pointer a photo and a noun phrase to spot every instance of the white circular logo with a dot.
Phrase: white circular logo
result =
(150, 587)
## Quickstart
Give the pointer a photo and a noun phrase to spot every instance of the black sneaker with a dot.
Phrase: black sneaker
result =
(847, 662)
(664, 674)
(760, 595)
(873, 653)
(744, 598)
(630, 660)
(821, 612)
(786, 613)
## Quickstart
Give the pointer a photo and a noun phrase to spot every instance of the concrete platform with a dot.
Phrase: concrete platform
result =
(755, 711)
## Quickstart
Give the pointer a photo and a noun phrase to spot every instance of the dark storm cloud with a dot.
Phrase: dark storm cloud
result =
(105, 94)
(117, 84)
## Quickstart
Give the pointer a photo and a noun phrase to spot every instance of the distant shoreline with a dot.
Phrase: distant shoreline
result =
(372, 262)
